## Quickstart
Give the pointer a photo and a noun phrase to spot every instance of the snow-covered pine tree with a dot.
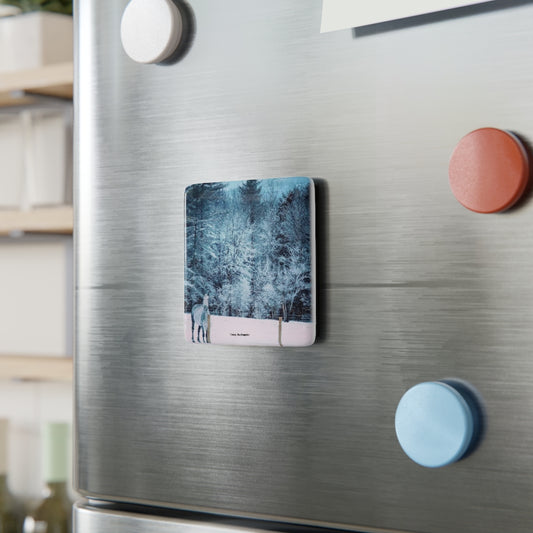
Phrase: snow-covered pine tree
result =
(292, 255)
(204, 207)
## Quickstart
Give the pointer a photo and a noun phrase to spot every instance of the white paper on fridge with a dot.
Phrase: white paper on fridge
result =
(342, 14)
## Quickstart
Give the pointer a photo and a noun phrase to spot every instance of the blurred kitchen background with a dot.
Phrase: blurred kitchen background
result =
(36, 74)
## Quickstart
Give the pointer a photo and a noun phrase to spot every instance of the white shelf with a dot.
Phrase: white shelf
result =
(17, 88)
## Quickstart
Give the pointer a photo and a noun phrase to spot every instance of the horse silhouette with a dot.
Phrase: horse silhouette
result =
(199, 315)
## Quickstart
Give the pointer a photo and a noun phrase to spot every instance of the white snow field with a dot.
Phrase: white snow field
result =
(254, 332)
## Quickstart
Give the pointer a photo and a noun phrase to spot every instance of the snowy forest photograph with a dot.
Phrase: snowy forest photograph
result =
(249, 262)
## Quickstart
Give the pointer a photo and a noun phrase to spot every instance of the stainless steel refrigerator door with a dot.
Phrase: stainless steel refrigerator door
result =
(413, 286)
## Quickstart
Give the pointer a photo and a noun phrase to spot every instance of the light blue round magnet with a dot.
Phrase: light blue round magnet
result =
(434, 424)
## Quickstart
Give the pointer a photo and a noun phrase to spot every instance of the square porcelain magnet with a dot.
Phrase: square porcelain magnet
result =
(249, 266)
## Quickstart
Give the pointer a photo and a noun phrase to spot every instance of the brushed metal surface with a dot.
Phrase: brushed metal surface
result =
(414, 287)
(90, 517)
(89, 520)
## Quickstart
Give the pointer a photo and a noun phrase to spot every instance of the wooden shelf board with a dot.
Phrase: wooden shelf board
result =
(36, 368)
(51, 80)
(39, 220)
(9, 100)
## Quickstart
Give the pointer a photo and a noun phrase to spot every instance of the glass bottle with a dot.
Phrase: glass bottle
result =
(10, 511)
(54, 513)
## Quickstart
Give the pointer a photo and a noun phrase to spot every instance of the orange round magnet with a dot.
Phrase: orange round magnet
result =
(488, 170)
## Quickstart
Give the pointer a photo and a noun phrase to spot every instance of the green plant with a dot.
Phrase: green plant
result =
(56, 6)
